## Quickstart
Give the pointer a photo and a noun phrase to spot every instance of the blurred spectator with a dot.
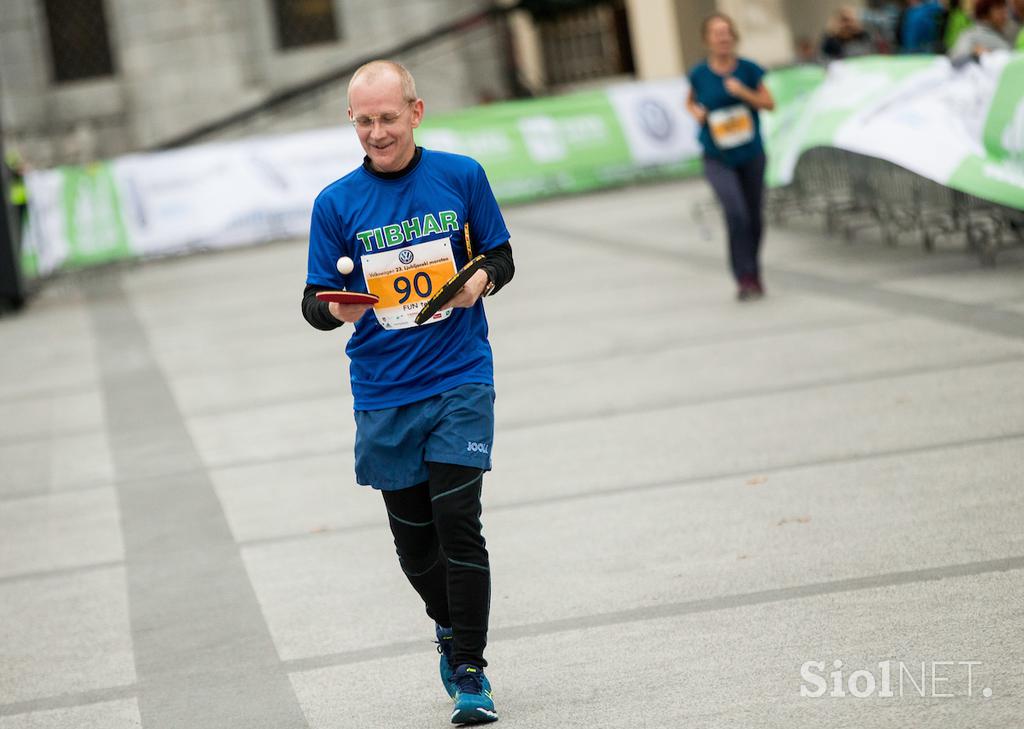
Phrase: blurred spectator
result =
(880, 18)
(954, 22)
(18, 192)
(921, 23)
(806, 51)
(1016, 24)
(846, 37)
(985, 35)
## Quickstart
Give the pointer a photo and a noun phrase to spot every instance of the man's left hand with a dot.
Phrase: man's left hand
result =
(471, 291)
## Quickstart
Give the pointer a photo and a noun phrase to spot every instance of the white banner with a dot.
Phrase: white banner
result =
(654, 118)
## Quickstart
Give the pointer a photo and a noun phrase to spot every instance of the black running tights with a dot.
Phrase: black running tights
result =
(442, 552)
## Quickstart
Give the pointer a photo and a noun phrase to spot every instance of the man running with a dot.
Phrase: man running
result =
(424, 395)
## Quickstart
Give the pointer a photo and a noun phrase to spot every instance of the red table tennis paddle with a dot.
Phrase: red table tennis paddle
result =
(347, 297)
(448, 290)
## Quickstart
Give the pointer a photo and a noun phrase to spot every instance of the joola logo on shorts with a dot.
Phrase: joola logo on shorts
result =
(476, 447)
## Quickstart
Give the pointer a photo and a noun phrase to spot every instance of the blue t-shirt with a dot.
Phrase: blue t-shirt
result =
(363, 214)
(709, 91)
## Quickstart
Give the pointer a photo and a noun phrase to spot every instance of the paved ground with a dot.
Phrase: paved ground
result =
(692, 497)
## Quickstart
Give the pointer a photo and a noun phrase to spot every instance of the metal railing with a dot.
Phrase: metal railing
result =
(854, 193)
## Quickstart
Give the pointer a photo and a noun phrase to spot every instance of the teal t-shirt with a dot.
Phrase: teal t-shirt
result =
(405, 237)
(737, 134)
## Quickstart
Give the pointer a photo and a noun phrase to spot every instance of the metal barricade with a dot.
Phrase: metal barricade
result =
(854, 192)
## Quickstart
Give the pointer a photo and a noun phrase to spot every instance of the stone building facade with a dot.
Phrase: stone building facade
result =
(168, 66)
(665, 39)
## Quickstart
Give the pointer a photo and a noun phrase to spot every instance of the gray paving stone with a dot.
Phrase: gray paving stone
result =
(1003, 284)
(64, 635)
(106, 715)
(46, 416)
(59, 531)
(295, 497)
(41, 366)
(759, 362)
(832, 422)
(276, 431)
(331, 594)
(737, 667)
(679, 543)
(61, 463)
(261, 384)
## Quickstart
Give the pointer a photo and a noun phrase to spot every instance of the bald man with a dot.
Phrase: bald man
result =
(423, 395)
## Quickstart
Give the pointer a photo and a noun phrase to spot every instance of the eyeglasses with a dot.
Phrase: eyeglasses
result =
(386, 119)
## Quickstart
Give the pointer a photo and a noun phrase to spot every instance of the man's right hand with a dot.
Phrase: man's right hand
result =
(350, 313)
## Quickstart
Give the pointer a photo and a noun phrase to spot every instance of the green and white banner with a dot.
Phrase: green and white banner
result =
(537, 148)
(960, 127)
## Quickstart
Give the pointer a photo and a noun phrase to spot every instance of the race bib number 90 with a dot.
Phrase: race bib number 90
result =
(406, 278)
(731, 127)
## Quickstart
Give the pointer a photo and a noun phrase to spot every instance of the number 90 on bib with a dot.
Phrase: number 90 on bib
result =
(406, 278)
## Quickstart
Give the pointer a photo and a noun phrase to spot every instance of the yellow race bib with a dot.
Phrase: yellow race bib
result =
(731, 127)
(406, 278)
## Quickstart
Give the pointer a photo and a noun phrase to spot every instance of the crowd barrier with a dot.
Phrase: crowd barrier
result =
(854, 192)
(910, 146)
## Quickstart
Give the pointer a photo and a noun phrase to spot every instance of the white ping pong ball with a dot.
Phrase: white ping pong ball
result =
(345, 265)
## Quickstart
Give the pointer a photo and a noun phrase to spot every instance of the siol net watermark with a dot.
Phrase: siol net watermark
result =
(891, 679)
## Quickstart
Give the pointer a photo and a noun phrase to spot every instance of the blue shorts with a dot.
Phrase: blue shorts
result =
(394, 445)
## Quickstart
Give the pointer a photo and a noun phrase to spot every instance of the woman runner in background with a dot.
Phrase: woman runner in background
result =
(726, 94)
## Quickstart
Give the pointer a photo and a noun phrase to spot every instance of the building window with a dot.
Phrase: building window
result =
(79, 44)
(304, 22)
(586, 43)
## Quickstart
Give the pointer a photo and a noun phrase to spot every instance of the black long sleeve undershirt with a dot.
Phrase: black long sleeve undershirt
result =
(499, 265)
(497, 262)
(316, 312)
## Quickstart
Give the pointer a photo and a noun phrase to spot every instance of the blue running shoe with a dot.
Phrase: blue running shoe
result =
(445, 644)
(473, 703)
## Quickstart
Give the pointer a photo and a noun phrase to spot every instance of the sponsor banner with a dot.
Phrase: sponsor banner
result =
(653, 116)
(960, 127)
(844, 89)
(996, 172)
(533, 149)
(207, 196)
(230, 194)
(574, 143)
(792, 88)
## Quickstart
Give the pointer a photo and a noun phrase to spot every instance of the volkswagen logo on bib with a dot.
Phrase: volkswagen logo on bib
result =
(405, 256)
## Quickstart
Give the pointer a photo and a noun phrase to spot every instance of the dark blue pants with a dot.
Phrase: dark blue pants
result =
(740, 190)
